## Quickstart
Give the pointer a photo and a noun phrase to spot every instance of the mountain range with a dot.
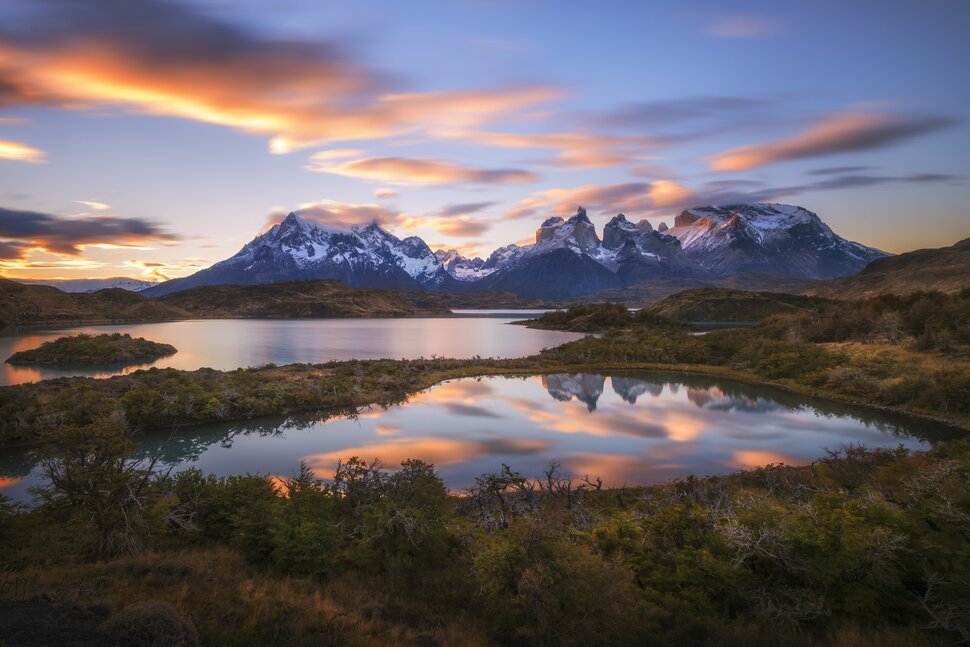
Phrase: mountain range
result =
(946, 269)
(567, 259)
(92, 285)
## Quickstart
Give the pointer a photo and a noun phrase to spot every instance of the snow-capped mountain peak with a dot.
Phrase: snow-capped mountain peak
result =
(567, 258)
(766, 237)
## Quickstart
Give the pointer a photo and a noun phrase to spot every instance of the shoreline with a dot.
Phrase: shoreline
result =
(470, 370)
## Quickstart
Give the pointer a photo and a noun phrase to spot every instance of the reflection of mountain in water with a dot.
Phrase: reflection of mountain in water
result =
(715, 394)
(716, 399)
(629, 389)
(585, 387)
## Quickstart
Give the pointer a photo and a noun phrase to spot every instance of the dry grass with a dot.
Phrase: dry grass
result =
(232, 602)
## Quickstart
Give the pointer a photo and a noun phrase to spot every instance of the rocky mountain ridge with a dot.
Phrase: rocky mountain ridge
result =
(567, 259)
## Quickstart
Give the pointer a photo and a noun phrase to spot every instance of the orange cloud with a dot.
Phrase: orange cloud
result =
(460, 226)
(163, 58)
(840, 133)
(164, 271)
(414, 171)
(341, 215)
(20, 152)
(631, 198)
(573, 149)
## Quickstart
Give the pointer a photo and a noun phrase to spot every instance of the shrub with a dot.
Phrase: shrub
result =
(151, 624)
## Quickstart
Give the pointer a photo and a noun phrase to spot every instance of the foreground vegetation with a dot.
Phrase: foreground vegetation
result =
(92, 350)
(858, 548)
(861, 547)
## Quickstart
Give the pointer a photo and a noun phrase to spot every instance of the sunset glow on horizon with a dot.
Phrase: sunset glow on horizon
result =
(153, 138)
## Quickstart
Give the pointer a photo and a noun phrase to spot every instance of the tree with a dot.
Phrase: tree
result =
(91, 471)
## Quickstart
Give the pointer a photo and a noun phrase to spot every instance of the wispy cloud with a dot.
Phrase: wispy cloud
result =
(416, 171)
(576, 150)
(459, 227)
(839, 133)
(162, 57)
(343, 215)
(384, 193)
(629, 197)
(68, 236)
(677, 112)
(18, 152)
(94, 204)
(464, 209)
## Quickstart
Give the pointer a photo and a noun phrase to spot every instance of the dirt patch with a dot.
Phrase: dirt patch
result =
(42, 621)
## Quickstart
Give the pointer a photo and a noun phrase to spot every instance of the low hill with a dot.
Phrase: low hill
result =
(485, 300)
(718, 304)
(22, 305)
(40, 304)
(295, 299)
(946, 269)
(599, 317)
(93, 350)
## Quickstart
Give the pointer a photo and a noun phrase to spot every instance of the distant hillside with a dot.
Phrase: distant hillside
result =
(296, 299)
(946, 269)
(718, 304)
(486, 300)
(650, 292)
(40, 304)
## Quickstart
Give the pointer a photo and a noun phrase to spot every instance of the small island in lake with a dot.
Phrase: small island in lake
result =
(81, 350)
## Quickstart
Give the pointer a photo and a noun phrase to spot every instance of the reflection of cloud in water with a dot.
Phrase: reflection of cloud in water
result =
(467, 391)
(586, 387)
(438, 451)
(749, 458)
(603, 424)
(462, 409)
(613, 469)
(6, 482)
(387, 430)
(683, 427)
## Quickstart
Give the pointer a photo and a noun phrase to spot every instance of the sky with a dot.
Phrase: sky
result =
(152, 138)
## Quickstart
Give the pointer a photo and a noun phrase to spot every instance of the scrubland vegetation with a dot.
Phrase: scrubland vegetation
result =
(858, 548)
(910, 352)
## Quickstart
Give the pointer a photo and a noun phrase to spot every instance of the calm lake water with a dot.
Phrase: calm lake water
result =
(624, 428)
(227, 344)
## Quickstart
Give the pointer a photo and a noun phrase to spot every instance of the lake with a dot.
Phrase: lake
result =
(227, 344)
(625, 428)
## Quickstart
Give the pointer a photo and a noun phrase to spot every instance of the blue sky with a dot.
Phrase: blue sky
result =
(188, 126)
